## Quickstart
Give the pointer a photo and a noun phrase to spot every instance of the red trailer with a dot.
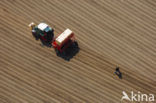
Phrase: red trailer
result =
(63, 41)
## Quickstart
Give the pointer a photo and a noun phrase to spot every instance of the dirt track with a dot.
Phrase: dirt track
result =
(110, 33)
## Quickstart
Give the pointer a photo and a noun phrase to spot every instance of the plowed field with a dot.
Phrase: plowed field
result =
(110, 33)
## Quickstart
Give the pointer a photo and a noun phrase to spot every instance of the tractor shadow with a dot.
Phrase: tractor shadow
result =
(46, 43)
(49, 45)
(70, 52)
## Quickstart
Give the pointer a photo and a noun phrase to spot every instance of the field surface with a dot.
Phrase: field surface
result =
(110, 33)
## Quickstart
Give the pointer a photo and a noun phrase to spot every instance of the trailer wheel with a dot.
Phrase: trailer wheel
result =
(64, 53)
(57, 52)
(75, 44)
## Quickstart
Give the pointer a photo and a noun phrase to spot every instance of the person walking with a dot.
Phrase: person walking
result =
(118, 73)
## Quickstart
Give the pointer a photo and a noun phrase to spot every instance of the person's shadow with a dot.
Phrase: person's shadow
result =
(120, 75)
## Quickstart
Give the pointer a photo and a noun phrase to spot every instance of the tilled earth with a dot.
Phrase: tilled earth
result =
(110, 33)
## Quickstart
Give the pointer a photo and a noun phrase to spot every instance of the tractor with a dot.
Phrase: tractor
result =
(63, 43)
(43, 32)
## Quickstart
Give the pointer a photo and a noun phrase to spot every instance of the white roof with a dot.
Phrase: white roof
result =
(42, 26)
(64, 35)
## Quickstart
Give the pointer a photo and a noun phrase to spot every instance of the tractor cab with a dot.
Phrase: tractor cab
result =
(43, 32)
(43, 29)
(63, 41)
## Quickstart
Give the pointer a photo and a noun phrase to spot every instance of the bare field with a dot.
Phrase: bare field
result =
(110, 33)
